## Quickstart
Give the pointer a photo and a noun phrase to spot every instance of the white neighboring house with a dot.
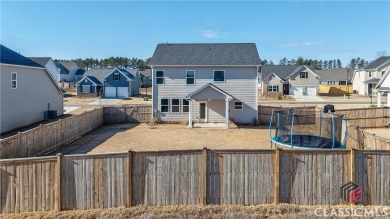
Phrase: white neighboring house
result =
(383, 87)
(49, 64)
(366, 78)
(67, 71)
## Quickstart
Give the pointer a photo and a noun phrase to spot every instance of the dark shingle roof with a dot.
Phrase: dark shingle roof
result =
(94, 80)
(62, 68)
(372, 80)
(377, 62)
(206, 54)
(40, 60)
(336, 74)
(8, 56)
(80, 72)
(282, 71)
(101, 73)
(146, 72)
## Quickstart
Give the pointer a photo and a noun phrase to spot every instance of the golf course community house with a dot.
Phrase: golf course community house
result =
(205, 83)
(109, 82)
(366, 78)
(27, 91)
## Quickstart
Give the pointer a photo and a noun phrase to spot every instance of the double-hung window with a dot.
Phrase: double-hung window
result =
(331, 82)
(14, 79)
(185, 106)
(369, 74)
(190, 77)
(175, 105)
(238, 105)
(164, 106)
(273, 88)
(117, 77)
(303, 74)
(159, 77)
(219, 76)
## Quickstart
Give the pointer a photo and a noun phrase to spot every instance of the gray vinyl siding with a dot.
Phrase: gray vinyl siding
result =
(216, 111)
(26, 104)
(240, 83)
(296, 80)
(272, 81)
(134, 87)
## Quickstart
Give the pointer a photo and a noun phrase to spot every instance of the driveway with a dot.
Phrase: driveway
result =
(308, 99)
(106, 101)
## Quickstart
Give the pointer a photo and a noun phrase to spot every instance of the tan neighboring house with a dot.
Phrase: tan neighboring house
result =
(366, 78)
(27, 91)
(383, 88)
(290, 80)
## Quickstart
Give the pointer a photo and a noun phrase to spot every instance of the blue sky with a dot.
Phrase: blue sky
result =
(82, 29)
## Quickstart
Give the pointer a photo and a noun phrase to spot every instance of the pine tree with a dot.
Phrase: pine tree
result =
(300, 61)
(339, 65)
(283, 61)
(325, 66)
(330, 64)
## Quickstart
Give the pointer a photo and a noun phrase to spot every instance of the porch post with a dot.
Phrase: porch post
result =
(227, 113)
(190, 114)
(379, 104)
(388, 99)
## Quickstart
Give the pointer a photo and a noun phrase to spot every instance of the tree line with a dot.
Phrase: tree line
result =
(355, 63)
(119, 62)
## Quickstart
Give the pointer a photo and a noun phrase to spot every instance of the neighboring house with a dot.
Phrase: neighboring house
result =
(290, 80)
(49, 64)
(335, 76)
(27, 91)
(205, 83)
(146, 77)
(111, 82)
(67, 71)
(366, 78)
(79, 74)
(383, 87)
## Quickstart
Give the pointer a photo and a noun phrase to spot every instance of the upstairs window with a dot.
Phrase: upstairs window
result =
(164, 105)
(369, 74)
(190, 77)
(14, 79)
(383, 73)
(117, 77)
(175, 106)
(238, 106)
(303, 74)
(159, 77)
(186, 106)
(219, 76)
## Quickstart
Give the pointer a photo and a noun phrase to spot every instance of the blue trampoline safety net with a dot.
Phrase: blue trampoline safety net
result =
(308, 128)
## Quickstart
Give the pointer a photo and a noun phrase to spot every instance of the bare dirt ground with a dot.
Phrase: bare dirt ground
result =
(216, 212)
(381, 132)
(123, 137)
(139, 99)
(273, 97)
(70, 98)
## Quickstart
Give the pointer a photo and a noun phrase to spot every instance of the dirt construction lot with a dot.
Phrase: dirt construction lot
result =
(123, 137)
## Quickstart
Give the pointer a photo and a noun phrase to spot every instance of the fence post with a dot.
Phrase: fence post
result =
(58, 198)
(276, 175)
(130, 180)
(204, 176)
(353, 165)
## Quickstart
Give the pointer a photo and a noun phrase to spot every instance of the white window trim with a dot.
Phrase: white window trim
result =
(272, 88)
(306, 74)
(163, 77)
(224, 76)
(116, 74)
(16, 80)
(175, 105)
(182, 106)
(164, 105)
(242, 105)
(190, 77)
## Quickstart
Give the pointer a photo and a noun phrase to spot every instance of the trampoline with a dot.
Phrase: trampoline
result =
(308, 129)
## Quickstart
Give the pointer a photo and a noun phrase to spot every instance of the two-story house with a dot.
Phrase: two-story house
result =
(27, 91)
(383, 87)
(205, 83)
(67, 71)
(289, 79)
(366, 78)
(49, 64)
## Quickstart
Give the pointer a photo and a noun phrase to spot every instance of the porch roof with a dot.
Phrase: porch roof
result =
(372, 81)
(209, 91)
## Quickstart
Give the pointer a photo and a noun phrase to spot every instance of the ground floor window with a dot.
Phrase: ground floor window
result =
(164, 105)
(331, 82)
(238, 105)
(175, 103)
(273, 88)
(186, 106)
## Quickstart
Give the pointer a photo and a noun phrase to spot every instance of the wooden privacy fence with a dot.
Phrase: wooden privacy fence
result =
(246, 177)
(265, 113)
(47, 137)
(360, 139)
(127, 114)
(367, 117)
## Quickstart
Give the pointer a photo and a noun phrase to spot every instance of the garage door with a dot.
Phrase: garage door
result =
(310, 90)
(110, 92)
(123, 91)
(297, 90)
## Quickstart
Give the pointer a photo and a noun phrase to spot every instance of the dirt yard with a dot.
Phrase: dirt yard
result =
(123, 137)
(70, 98)
(381, 132)
(217, 211)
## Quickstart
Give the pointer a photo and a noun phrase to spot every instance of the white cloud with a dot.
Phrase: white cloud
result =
(295, 44)
(211, 34)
